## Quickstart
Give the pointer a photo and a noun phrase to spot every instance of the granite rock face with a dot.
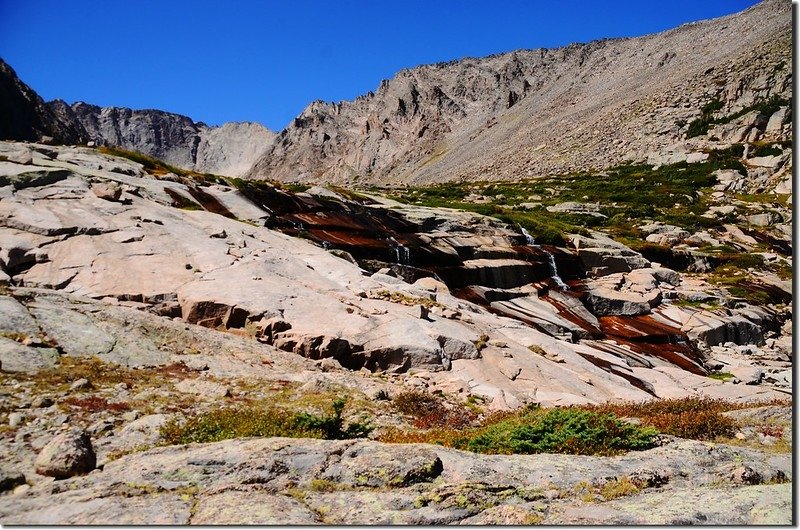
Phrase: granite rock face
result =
(494, 322)
(494, 118)
(229, 149)
(280, 480)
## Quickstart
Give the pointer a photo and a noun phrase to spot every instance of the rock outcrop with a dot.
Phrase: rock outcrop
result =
(289, 481)
(455, 294)
(27, 117)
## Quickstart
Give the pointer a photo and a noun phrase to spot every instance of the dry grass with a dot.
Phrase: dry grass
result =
(430, 410)
(95, 404)
(101, 374)
(694, 418)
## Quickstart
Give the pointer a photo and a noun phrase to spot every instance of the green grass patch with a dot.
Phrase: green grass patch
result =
(627, 195)
(158, 167)
(295, 188)
(721, 376)
(701, 125)
(151, 165)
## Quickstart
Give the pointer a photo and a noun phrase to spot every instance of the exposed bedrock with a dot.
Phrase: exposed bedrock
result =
(484, 311)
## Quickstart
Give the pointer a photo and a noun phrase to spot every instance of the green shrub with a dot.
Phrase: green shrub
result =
(712, 106)
(482, 342)
(700, 125)
(767, 150)
(332, 426)
(569, 430)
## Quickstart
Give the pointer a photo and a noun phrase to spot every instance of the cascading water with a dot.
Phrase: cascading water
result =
(551, 260)
(402, 253)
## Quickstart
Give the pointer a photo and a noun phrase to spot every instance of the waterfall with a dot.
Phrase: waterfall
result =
(402, 253)
(551, 260)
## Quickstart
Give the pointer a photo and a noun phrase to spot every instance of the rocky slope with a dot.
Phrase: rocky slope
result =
(285, 481)
(101, 233)
(229, 149)
(26, 116)
(106, 337)
(539, 112)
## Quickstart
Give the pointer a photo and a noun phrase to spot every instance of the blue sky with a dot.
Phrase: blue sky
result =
(240, 60)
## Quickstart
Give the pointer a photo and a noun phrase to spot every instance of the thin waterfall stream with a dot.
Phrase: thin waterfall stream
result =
(401, 252)
(551, 260)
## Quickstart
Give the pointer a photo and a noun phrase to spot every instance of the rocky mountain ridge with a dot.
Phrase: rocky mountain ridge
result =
(229, 149)
(515, 115)
(25, 115)
(538, 112)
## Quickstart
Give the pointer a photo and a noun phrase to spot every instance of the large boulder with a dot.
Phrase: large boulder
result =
(68, 454)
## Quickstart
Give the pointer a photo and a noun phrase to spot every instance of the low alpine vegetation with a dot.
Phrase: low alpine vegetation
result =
(430, 410)
(226, 423)
(694, 418)
(536, 430)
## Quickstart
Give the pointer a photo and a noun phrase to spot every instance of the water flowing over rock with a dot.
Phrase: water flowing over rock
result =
(485, 280)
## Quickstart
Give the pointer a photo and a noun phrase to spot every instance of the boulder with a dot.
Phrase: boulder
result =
(68, 454)
(108, 191)
(16, 357)
(603, 301)
(763, 219)
(665, 275)
(749, 375)
(76, 333)
(776, 121)
(16, 321)
(455, 348)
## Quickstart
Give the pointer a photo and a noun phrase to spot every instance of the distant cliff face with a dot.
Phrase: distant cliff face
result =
(229, 149)
(538, 112)
(232, 148)
(25, 116)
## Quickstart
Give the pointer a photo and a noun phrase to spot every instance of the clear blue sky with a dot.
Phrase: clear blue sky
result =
(240, 60)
